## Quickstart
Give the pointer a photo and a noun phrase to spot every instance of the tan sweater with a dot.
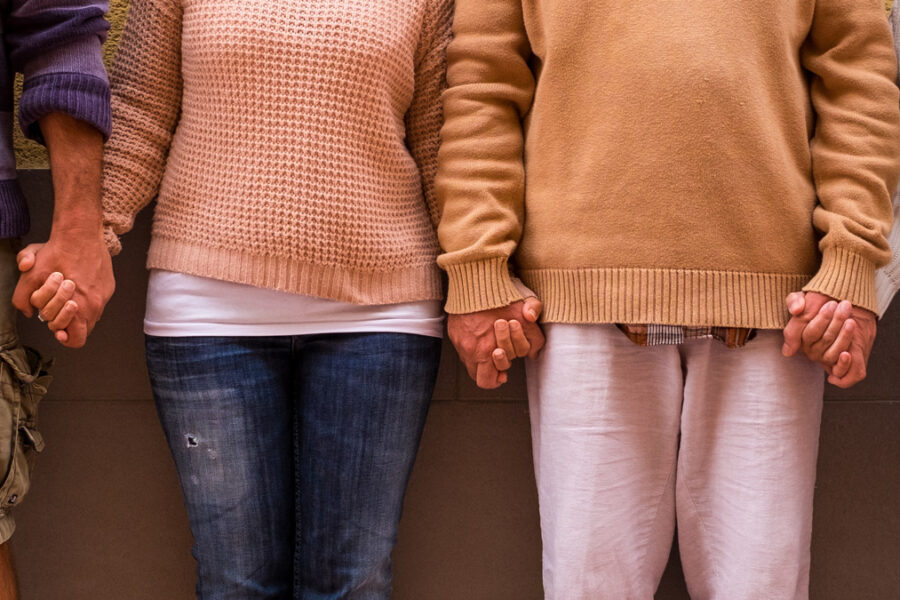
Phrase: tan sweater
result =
(292, 144)
(683, 163)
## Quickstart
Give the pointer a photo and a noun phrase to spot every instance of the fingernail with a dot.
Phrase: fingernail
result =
(56, 275)
(68, 285)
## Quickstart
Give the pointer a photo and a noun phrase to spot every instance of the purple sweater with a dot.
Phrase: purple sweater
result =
(56, 45)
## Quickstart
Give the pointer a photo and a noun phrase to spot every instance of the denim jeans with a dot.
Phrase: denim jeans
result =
(293, 453)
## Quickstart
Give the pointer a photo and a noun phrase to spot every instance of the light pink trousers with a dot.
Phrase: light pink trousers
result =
(628, 439)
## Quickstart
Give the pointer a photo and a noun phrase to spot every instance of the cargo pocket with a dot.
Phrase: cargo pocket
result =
(23, 382)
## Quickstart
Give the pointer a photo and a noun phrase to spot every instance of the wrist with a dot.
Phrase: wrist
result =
(84, 231)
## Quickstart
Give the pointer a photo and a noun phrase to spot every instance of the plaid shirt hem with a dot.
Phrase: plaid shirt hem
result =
(665, 335)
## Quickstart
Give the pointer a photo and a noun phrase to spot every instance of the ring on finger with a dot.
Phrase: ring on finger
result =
(41, 318)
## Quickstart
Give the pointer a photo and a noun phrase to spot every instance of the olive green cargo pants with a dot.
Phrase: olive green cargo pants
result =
(23, 381)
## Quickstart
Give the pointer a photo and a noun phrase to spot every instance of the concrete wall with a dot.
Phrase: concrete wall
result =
(105, 520)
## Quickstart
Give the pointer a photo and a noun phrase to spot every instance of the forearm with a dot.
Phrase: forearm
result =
(76, 152)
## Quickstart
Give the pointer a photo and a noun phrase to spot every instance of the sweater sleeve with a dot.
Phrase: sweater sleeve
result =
(480, 182)
(424, 117)
(887, 279)
(146, 101)
(56, 45)
(856, 144)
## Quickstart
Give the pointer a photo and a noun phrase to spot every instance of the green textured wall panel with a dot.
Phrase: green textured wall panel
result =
(33, 156)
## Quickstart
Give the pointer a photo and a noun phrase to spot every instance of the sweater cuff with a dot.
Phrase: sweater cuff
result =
(82, 97)
(845, 275)
(112, 241)
(480, 285)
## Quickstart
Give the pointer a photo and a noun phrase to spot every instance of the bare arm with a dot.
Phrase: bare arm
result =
(75, 248)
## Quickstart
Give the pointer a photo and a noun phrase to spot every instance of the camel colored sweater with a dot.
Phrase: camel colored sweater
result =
(292, 145)
(684, 162)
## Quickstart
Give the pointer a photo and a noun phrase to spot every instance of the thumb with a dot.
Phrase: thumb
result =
(27, 256)
(532, 309)
(796, 303)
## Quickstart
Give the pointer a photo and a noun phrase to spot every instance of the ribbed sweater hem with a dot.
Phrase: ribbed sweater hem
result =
(344, 284)
(664, 296)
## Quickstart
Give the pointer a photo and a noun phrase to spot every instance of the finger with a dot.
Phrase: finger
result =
(822, 330)
(855, 374)
(811, 304)
(486, 376)
(845, 382)
(535, 337)
(500, 359)
(61, 336)
(842, 366)
(52, 308)
(77, 334)
(841, 344)
(43, 294)
(816, 328)
(796, 302)
(502, 337)
(792, 336)
(25, 260)
(532, 309)
(27, 256)
(64, 316)
(519, 340)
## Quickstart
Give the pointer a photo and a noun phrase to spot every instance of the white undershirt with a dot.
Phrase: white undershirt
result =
(180, 305)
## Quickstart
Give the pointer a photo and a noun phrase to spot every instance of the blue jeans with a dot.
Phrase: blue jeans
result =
(294, 453)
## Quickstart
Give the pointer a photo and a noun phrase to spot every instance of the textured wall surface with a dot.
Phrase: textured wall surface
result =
(30, 155)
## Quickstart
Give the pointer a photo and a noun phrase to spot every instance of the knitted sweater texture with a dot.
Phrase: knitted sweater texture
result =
(682, 163)
(292, 145)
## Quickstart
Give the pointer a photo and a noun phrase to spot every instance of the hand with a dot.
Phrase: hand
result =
(71, 305)
(839, 336)
(510, 337)
(822, 328)
(473, 336)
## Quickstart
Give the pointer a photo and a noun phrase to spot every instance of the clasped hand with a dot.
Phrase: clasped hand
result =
(67, 284)
(837, 335)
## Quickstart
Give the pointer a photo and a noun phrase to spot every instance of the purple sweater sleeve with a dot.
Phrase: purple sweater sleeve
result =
(56, 45)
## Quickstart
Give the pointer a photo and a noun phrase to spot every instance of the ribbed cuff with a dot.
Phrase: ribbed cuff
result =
(846, 275)
(480, 285)
(82, 97)
(14, 221)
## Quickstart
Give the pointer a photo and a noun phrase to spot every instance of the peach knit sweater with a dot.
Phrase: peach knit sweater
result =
(292, 145)
(684, 162)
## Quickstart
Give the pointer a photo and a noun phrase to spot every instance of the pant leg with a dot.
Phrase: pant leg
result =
(604, 417)
(746, 470)
(9, 409)
(23, 383)
(226, 409)
(364, 399)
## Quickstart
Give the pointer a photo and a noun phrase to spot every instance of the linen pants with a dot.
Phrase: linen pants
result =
(627, 439)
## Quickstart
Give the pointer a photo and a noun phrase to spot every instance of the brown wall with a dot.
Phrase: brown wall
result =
(105, 519)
